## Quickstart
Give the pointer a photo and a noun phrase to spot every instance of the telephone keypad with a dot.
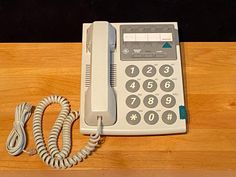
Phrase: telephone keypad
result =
(150, 101)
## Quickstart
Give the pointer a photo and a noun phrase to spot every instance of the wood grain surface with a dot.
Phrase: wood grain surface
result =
(31, 71)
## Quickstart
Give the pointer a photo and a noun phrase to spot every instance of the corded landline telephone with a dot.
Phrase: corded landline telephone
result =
(131, 84)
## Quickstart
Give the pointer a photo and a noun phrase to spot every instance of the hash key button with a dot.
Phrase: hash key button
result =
(169, 117)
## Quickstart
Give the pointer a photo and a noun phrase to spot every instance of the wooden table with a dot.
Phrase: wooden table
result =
(29, 72)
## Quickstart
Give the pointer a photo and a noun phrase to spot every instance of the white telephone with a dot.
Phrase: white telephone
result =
(131, 84)
(132, 79)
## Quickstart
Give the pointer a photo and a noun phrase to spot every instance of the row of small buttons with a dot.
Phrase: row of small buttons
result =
(150, 85)
(130, 37)
(151, 117)
(149, 70)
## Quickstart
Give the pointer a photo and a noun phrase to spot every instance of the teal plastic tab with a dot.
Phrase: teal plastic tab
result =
(182, 112)
(166, 45)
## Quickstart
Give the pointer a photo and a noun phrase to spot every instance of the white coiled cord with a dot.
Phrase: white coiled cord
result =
(53, 156)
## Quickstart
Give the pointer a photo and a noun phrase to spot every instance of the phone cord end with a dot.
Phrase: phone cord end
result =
(17, 139)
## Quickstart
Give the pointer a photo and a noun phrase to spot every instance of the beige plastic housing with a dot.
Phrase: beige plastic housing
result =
(101, 61)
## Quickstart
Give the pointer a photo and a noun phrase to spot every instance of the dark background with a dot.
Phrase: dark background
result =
(61, 21)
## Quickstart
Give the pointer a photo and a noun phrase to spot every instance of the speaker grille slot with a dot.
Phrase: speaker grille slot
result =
(112, 76)
(87, 76)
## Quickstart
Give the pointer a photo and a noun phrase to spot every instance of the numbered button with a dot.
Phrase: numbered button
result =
(133, 117)
(166, 70)
(150, 101)
(132, 85)
(149, 85)
(149, 70)
(169, 117)
(132, 101)
(132, 71)
(151, 117)
(167, 85)
(168, 101)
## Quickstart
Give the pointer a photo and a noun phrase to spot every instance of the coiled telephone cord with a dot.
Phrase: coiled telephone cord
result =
(53, 156)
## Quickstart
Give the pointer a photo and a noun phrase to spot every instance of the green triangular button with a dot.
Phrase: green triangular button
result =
(166, 45)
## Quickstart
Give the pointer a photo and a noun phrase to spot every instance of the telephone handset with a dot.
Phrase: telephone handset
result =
(100, 97)
(131, 84)
(132, 79)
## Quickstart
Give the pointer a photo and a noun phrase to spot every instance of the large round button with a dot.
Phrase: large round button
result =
(132, 85)
(167, 85)
(168, 101)
(169, 117)
(132, 101)
(151, 117)
(132, 71)
(149, 85)
(150, 101)
(133, 117)
(166, 70)
(149, 70)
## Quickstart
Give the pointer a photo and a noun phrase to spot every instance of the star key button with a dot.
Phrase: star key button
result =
(133, 117)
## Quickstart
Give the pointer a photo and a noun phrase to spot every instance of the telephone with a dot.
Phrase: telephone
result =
(132, 78)
(131, 84)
